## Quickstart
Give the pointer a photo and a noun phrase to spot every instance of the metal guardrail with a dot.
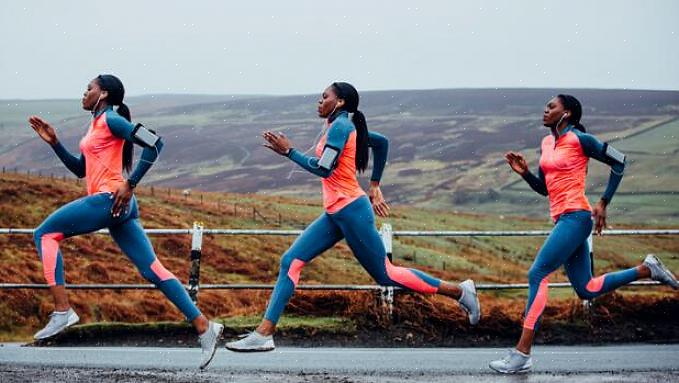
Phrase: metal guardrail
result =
(246, 286)
(386, 232)
(403, 233)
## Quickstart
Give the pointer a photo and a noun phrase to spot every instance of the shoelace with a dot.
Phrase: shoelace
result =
(54, 313)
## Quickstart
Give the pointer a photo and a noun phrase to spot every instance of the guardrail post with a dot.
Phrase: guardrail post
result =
(194, 272)
(387, 299)
(387, 235)
(387, 292)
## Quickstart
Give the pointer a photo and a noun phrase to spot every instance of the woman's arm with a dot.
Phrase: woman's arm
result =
(380, 148)
(124, 129)
(605, 153)
(322, 167)
(520, 166)
(75, 164)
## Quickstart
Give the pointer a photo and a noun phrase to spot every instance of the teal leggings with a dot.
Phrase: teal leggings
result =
(567, 245)
(91, 213)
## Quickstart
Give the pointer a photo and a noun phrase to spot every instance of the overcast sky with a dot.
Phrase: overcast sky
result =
(51, 49)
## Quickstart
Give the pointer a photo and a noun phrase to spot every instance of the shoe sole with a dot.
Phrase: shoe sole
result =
(70, 323)
(214, 349)
(250, 349)
(521, 371)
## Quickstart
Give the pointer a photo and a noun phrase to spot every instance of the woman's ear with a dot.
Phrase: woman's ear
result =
(340, 103)
(103, 95)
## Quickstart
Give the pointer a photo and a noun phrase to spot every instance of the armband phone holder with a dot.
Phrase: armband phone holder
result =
(328, 157)
(144, 136)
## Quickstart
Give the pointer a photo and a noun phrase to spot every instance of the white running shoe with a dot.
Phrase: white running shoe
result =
(59, 321)
(515, 362)
(659, 272)
(469, 301)
(252, 342)
(208, 342)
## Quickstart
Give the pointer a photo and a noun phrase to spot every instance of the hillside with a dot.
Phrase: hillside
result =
(26, 201)
(446, 145)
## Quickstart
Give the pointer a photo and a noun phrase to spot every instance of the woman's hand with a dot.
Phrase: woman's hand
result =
(277, 142)
(517, 162)
(599, 215)
(44, 130)
(379, 205)
(121, 198)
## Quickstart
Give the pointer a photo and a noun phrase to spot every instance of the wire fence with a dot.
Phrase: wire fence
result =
(386, 232)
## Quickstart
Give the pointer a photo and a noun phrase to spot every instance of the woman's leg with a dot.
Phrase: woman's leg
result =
(579, 271)
(318, 237)
(569, 234)
(132, 240)
(81, 216)
(321, 235)
(130, 236)
(357, 222)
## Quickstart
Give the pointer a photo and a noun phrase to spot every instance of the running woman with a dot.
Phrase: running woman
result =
(561, 177)
(341, 151)
(106, 149)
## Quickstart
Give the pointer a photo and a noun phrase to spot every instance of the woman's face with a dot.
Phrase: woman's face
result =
(328, 103)
(554, 111)
(91, 95)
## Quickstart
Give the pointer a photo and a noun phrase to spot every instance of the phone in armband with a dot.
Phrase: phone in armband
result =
(144, 136)
(614, 154)
(328, 157)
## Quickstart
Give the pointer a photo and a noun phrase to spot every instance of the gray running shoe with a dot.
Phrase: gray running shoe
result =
(59, 321)
(208, 342)
(515, 362)
(659, 272)
(469, 301)
(252, 342)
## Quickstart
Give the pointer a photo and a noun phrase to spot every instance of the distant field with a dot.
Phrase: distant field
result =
(446, 146)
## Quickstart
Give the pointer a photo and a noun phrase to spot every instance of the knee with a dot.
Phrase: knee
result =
(38, 233)
(590, 290)
(291, 267)
(384, 280)
(583, 293)
(286, 262)
(156, 273)
(384, 277)
(149, 275)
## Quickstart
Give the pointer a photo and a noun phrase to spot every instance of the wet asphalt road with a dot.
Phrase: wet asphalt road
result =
(620, 363)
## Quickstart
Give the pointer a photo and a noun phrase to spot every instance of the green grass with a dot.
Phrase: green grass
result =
(334, 324)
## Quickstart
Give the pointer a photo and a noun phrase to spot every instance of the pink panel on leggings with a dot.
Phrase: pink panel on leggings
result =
(408, 279)
(595, 284)
(161, 271)
(538, 305)
(295, 270)
(50, 248)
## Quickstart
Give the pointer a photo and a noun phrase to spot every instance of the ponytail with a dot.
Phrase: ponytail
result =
(124, 111)
(362, 152)
(349, 94)
(128, 146)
